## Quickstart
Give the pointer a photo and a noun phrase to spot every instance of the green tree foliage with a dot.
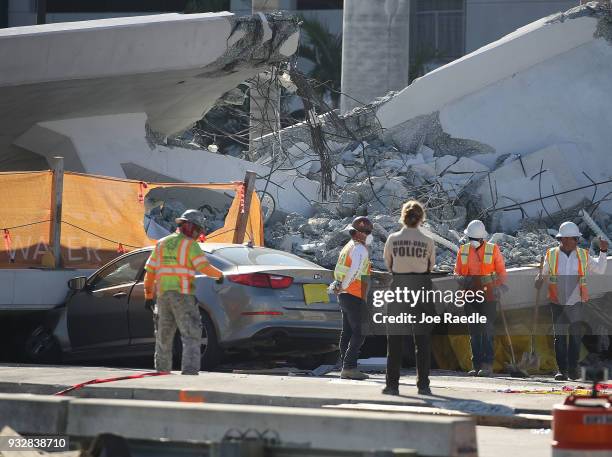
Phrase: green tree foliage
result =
(324, 50)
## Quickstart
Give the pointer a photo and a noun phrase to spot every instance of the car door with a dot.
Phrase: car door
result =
(140, 319)
(98, 315)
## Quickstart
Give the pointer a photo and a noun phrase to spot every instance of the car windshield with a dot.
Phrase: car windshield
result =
(261, 256)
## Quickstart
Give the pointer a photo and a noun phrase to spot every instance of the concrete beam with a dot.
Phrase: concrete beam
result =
(34, 414)
(172, 67)
(430, 436)
(195, 422)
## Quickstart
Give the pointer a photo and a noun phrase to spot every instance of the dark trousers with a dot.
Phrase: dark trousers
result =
(351, 338)
(482, 335)
(422, 349)
(568, 329)
(421, 333)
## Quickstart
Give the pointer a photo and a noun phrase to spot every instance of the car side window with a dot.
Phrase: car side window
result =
(123, 271)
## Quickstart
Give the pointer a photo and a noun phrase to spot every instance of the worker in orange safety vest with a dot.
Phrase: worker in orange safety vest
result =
(170, 271)
(566, 267)
(480, 267)
(351, 281)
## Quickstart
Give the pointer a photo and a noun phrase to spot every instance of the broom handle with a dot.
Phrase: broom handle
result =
(537, 306)
(501, 308)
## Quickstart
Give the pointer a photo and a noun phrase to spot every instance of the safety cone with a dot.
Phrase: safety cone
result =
(582, 427)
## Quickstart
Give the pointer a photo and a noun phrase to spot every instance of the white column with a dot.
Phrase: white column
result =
(375, 49)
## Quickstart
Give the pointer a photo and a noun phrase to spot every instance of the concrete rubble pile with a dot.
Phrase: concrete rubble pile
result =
(395, 178)
(487, 148)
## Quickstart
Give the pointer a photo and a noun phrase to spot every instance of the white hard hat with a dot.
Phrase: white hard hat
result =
(568, 229)
(476, 229)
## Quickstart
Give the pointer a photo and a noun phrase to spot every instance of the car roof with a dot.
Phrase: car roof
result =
(208, 247)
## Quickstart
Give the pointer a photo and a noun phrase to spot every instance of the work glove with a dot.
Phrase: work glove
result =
(335, 287)
(500, 290)
(465, 282)
(149, 304)
(220, 279)
(539, 280)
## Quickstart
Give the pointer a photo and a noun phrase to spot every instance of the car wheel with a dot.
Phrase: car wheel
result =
(42, 347)
(210, 350)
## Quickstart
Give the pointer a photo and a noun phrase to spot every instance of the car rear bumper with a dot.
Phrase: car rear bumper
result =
(289, 339)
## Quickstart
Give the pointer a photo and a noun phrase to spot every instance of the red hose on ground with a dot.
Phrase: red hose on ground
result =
(104, 380)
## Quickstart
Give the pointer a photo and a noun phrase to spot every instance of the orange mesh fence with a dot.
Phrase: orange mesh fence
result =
(25, 214)
(102, 217)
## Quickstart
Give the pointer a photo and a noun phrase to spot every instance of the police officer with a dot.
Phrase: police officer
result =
(410, 255)
(172, 268)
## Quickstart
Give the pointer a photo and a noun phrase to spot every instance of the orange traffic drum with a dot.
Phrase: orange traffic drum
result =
(582, 426)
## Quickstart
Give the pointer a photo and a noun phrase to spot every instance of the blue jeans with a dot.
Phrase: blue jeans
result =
(351, 338)
(482, 335)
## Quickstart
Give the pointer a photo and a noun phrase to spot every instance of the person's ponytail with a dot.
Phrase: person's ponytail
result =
(413, 214)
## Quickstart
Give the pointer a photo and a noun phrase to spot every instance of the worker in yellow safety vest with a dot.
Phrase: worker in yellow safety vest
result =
(566, 267)
(170, 271)
(480, 267)
(351, 276)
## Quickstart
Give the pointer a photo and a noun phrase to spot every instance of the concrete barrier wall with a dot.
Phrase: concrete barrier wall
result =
(34, 414)
(50, 288)
(522, 292)
(348, 430)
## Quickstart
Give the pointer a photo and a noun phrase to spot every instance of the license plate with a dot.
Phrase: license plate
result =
(315, 293)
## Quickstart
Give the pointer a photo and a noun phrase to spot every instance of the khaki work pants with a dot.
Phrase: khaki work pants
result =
(178, 310)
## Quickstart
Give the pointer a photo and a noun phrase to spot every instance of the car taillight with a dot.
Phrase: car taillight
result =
(262, 280)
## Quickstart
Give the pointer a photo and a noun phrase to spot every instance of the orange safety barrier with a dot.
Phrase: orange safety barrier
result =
(582, 426)
(102, 217)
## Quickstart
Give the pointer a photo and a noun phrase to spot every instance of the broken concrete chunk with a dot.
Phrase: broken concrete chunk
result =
(349, 201)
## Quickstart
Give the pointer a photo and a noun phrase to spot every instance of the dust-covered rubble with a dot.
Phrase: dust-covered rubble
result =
(376, 179)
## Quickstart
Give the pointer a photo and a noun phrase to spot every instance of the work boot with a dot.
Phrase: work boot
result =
(390, 391)
(353, 373)
(485, 371)
(574, 374)
(424, 391)
(560, 376)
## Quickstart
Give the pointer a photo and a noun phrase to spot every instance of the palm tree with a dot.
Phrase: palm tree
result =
(324, 50)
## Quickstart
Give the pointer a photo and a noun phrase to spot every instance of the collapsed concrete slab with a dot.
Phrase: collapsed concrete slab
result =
(515, 133)
(117, 145)
(539, 96)
(543, 89)
(106, 93)
(541, 174)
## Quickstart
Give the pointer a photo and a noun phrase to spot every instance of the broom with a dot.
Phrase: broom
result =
(530, 361)
(512, 368)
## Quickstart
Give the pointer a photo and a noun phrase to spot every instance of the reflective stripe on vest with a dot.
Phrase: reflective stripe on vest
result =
(487, 259)
(175, 271)
(553, 272)
(342, 266)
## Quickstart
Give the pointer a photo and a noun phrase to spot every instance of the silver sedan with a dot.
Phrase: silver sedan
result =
(271, 302)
